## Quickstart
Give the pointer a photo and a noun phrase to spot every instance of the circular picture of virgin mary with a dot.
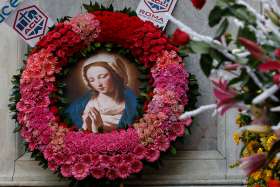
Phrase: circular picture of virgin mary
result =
(110, 100)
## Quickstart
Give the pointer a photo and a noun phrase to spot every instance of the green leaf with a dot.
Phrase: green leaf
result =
(215, 16)
(173, 150)
(222, 28)
(216, 55)
(188, 132)
(17, 129)
(247, 33)
(241, 12)
(206, 64)
(199, 47)
(97, 45)
(221, 4)
(235, 80)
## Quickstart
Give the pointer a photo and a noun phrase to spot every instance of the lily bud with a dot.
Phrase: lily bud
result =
(231, 67)
(252, 163)
(256, 51)
(273, 17)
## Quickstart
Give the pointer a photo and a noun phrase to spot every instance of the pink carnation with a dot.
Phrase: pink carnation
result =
(66, 170)
(162, 143)
(87, 159)
(136, 166)
(123, 171)
(179, 129)
(139, 152)
(152, 155)
(87, 26)
(98, 172)
(48, 153)
(52, 166)
(58, 158)
(112, 173)
(80, 170)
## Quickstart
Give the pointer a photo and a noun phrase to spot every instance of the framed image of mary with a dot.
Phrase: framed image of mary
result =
(103, 92)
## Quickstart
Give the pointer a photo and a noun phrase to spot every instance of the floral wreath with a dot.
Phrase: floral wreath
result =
(39, 101)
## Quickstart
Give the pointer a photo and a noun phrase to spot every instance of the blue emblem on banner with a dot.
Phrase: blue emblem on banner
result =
(30, 22)
(159, 5)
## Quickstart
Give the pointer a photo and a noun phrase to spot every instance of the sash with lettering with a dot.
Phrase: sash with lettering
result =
(154, 11)
(26, 18)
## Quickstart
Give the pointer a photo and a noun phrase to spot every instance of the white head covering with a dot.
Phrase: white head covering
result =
(114, 62)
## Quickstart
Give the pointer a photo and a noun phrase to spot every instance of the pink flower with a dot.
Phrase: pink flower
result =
(179, 128)
(48, 153)
(70, 159)
(52, 166)
(32, 146)
(225, 95)
(112, 173)
(139, 152)
(252, 163)
(80, 170)
(117, 160)
(58, 158)
(123, 171)
(66, 170)
(95, 159)
(86, 25)
(86, 158)
(98, 172)
(162, 143)
(136, 166)
(152, 155)
(128, 157)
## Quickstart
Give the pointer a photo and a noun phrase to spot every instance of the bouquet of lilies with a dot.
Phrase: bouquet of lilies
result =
(245, 70)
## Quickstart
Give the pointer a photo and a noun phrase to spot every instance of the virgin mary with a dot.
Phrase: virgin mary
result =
(110, 104)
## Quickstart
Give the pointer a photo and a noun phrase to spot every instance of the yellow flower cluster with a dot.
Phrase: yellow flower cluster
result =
(236, 137)
(256, 142)
(262, 174)
(268, 141)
